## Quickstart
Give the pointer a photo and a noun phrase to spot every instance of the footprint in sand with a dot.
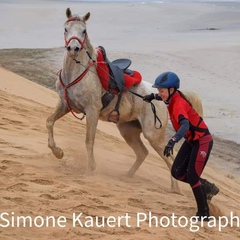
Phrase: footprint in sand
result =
(3, 168)
(134, 202)
(17, 200)
(42, 181)
(9, 162)
(77, 192)
(96, 200)
(17, 187)
(51, 197)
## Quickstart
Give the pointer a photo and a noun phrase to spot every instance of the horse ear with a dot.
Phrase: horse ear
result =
(68, 13)
(86, 16)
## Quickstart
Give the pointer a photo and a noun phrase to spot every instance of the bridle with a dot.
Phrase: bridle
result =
(87, 68)
(82, 43)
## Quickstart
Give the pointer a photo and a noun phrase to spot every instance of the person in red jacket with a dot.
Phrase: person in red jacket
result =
(195, 150)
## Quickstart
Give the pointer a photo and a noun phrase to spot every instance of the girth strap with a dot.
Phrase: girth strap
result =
(114, 115)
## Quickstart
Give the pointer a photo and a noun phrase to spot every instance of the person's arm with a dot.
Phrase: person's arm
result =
(184, 127)
(150, 97)
(168, 150)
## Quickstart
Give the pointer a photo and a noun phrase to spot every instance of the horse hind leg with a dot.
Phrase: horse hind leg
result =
(59, 111)
(131, 131)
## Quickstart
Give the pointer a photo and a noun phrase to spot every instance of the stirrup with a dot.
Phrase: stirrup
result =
(114, 116)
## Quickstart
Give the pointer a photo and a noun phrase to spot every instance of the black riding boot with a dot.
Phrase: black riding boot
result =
(202, 205)
(210, 188)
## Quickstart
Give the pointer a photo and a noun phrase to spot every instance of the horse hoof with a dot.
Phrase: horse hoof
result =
(130, 174)
(58, 152)
(89, 173)
(93, 167)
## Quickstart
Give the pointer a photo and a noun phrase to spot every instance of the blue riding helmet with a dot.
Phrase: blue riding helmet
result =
(167, 80)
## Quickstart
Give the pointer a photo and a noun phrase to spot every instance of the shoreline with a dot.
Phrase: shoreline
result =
(48, 62)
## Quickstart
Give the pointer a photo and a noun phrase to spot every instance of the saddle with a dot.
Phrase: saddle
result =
(115, 77)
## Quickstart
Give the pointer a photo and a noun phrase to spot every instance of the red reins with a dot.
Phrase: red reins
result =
(65, 87)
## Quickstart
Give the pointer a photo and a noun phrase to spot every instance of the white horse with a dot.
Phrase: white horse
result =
(81, 91)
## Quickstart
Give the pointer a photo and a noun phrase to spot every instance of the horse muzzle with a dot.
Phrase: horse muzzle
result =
(74, 45)
(73, 50)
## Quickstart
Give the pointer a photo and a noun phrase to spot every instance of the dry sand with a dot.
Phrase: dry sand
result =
(34, 183)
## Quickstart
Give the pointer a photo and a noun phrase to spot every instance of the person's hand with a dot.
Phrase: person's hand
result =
(149, 97)
(168, 150)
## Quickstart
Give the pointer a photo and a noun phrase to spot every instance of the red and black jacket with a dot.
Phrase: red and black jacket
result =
(179, 109)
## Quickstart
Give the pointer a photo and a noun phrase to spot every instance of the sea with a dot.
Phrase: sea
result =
(113, 1)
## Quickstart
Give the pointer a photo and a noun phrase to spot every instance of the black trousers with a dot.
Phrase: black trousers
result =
(191, 160)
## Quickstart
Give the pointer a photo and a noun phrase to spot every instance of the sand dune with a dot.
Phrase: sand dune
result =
(35, 184)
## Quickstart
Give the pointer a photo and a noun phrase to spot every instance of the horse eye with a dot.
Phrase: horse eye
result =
(84, 31)
(65, 30)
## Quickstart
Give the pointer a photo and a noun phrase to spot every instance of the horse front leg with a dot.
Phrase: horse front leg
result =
(92, 116)
(59, 111)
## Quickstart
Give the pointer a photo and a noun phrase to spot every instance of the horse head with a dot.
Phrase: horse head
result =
(75, 33)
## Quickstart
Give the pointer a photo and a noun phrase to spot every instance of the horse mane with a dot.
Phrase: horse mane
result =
(92, 51)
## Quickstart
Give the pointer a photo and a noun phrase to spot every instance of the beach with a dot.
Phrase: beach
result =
(198, 41)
